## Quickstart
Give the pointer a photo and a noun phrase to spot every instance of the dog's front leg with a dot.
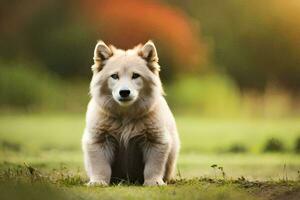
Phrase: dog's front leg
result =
(155, 157)
(97, 158)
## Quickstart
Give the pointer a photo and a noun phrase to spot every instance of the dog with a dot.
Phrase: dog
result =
(130, 132)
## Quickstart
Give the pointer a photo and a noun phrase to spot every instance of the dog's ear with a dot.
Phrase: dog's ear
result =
(149, 53)
(101, 54)
(113, 48)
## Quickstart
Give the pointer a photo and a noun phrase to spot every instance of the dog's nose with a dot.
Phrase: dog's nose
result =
(124, 93)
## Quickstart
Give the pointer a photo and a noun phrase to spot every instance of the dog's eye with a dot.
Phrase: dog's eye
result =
(115, 76)
(135, 75)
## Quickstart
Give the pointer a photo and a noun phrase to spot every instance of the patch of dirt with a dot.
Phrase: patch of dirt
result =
(293, 194)
(268, 190)
(274, 190)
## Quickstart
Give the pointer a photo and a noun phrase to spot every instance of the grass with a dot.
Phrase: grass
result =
(198, 135)
(49, 145)
(62, 184)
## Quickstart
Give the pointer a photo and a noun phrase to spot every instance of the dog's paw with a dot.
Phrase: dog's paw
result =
(99, 183)
(154, 182)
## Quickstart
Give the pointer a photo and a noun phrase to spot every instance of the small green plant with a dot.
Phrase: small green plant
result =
(241, 179)
(33, 174)
(274, 145)
(179, 174)
(284, 173)
(220, 168)
(222, 172)
(214, 166)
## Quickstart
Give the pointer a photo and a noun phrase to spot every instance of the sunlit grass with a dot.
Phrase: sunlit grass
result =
(198, 135)
(45, 150)
(49, 140)
(61, 183)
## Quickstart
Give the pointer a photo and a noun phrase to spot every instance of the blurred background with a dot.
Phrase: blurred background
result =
(226, 58)
(231, 71)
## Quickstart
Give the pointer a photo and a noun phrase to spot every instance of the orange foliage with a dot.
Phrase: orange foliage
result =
(286, 15)
(126, 23)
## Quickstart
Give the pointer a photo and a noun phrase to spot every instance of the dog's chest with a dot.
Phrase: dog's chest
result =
(125, 131)
(128, 162)
(130, 139)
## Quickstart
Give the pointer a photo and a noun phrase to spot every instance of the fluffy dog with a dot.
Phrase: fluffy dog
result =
(130, 132)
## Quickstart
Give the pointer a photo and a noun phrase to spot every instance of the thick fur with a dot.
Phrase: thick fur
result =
(136, 141)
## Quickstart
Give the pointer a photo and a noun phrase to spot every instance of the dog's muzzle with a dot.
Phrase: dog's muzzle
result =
(124, 95)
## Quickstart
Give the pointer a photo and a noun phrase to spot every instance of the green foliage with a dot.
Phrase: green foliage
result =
(274, 145)
(27, 87)
(297, 145)
(211, 95)
(51, 34)
(237, 148)
(18, 88)
(9, 146)
(23, 87)
(254, 49)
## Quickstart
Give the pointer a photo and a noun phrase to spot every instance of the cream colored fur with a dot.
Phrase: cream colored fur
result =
(146, 114)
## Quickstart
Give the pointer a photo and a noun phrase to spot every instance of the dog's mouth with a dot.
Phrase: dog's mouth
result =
(127, 99)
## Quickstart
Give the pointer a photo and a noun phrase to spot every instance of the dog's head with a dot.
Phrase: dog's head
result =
(125, 80)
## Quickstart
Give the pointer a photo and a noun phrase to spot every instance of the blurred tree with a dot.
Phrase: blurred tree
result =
(256, 42)
(128, 23)
(48, 32)
(62, 34)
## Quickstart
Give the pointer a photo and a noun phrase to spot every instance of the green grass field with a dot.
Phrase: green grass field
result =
(49, 145)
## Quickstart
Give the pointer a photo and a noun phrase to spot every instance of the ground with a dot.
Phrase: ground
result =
(41, 153)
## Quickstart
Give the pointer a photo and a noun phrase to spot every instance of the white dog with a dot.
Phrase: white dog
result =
(130, 131)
